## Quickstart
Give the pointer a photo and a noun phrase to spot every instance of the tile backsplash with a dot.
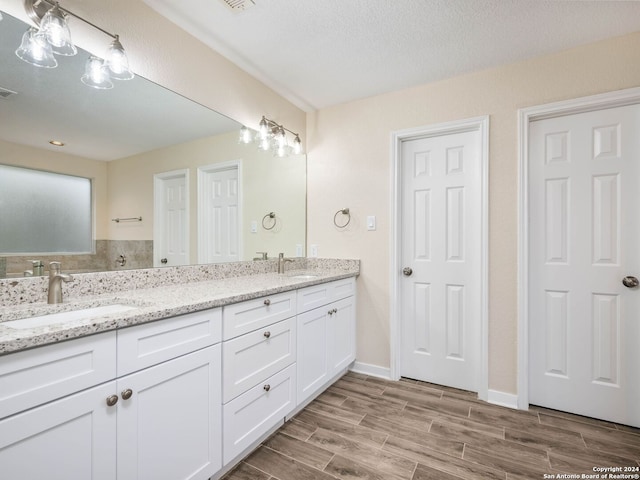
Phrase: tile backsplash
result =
(138, 254)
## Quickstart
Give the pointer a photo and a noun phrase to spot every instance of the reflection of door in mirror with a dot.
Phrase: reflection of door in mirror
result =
(171, 218)
(219, 213)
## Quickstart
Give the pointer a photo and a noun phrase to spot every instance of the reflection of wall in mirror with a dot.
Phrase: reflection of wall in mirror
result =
(124, 188)
(269, 184)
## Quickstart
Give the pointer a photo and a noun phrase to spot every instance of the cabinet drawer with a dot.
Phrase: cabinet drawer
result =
(241, 318)
(37, 376)
(145, 345)
(255, 356)
(325, 293)
(255, 412)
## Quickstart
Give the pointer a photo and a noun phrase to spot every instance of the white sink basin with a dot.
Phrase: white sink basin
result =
(302, 276)
(73, 315)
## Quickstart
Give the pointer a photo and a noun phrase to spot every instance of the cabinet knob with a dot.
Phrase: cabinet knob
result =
(330, 312)
(126, 394)
(267, 387)
(163, 261)
(267, 302)
(267, 334)
(112, 400)
(335, 310)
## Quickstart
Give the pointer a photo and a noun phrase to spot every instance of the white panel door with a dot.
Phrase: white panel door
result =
(584, 324)
(219, 214)
(171, 231)
(441, 245)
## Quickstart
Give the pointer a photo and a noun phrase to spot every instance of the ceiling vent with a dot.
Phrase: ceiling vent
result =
(6, 93)
(238, 5)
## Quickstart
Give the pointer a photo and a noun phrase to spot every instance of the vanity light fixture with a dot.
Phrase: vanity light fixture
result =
(54, 37)
(272, 136)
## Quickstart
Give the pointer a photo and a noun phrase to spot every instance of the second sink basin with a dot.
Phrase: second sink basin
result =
(54, 318)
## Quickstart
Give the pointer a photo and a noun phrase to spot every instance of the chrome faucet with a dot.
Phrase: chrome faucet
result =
(282, 261)
(55, 282)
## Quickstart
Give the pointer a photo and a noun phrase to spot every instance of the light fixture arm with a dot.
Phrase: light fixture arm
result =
(36, 9)
(274, 126)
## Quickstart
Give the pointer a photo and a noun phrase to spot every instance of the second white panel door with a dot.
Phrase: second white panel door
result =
(584, 323)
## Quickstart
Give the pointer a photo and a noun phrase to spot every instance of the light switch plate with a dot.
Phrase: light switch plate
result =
(254, 226)
(314, 251)
(298, 250)
(371, 222)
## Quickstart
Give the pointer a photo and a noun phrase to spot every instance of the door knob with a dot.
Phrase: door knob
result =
(126, 394)
(163, 261)
(630, 282)
(407, 271)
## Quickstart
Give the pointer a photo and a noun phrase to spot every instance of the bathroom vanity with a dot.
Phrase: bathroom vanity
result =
(181, 385)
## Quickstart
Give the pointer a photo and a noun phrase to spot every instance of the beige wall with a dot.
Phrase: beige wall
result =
(268, 184)
(349, 162)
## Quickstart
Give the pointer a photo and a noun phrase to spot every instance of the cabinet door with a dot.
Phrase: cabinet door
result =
(170, 426)
(342, 334)
(73, 438)
(313, 352)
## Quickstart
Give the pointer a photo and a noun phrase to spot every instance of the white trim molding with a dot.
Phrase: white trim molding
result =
(525, 117)
(371, 370)
(397, 138)
(503, 399)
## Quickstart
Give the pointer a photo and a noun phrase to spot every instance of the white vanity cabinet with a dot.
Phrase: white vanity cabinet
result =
(259, 381)
(326, 335)
(169, 411)
(157, 416)
(73, 438)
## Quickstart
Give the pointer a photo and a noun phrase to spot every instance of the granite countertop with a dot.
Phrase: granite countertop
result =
(150, 304)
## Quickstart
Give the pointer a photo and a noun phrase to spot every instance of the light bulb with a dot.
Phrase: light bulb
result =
(117, 62)
(245, 135)
(263, 130)
(96, 74)
(55, 28)
(297, 146)
(34, 49)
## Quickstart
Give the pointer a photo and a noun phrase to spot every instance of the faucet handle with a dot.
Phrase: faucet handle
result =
(263, 255)
(54, 268)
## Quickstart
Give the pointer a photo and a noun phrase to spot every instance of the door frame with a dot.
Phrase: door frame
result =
(158, 194)
(480, 124)
(203, 208)
(563, 108)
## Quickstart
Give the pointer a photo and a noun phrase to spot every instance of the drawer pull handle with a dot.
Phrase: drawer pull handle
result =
(267, 302)
(112, 400)
(126, 394)
(267, 334)
(267, 387)
(331, 312)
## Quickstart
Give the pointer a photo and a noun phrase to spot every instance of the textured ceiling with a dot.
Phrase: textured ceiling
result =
(319, 53)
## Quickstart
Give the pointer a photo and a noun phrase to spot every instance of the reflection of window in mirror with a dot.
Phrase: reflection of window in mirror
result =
(44, 212)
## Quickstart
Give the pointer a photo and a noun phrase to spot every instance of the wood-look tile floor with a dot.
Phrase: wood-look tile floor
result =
(367, 428)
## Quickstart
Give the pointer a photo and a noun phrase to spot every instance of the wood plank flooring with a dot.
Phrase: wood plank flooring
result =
(367, 428)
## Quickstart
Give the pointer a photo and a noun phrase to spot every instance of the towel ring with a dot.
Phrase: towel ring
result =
(271, 215)
(343, 211)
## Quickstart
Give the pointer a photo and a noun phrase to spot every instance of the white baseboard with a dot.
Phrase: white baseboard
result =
(372, 370)
(503, 399)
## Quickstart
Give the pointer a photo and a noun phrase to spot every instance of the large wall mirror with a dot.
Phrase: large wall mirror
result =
(152, 156)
